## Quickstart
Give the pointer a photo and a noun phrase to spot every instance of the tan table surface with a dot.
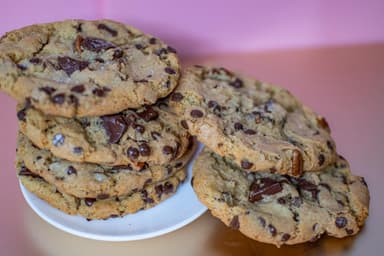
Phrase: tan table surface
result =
(346, 84)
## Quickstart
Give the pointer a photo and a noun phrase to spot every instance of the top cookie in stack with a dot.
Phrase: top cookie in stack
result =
(86, 68)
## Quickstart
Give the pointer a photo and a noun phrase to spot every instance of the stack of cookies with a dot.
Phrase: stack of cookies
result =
(96, 135)
(270, 168)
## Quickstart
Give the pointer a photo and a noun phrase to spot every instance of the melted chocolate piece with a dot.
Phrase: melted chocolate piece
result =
(235, 224)
(267, 186)
(96, 44)
(111, 31)
(115, 126)
(70, 65)
(149, 114)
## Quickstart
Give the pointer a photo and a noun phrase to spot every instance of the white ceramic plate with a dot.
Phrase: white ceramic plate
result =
(171, 214)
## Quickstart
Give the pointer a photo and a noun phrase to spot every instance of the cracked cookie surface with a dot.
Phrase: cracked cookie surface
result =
(258, 125)
(86, 68)
(149, 135)
(111, 207)
(92, 180)
(281, 209)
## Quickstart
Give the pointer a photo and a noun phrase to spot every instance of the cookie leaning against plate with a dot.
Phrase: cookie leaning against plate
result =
(281, 209)
(92, 180)
(90, 208)
(150, 134)
(256, 124)
(86, 68)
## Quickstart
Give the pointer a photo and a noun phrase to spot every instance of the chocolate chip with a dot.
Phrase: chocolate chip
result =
(155, 135)
(297, 201)
(297, 163)
(212, 104)
(58, 98)
(261, 221)
(144, 149)
(177, 96)
(139, 46)
(58, 139)
(96, 44)
(161, 51)
(89, 201)
(267, 186)
(285, 237)
(47, 89)
(235, 224)
(73, 100)
(197, 113)
(184, 124)
(349, 231)
(171, 49)
(102, 196)
(250, 132)
(71, 170)
(139, 128)
(315, 226)
(146, 199)
(117, 54)
(152, 40)
(330, 145)
(149, 114)
(22, 113)
(159, 190)
(281, 200)
(237, 83)
(341, 222)
(35, 60)
(22, 67)
(115, 126)
(245, 164)
(70, 65)
(170, 71)
(321, 159)
(111, 31)
(167, 150)
(78, 88)
(363, 181)
(24, 171)
(101, 92)
(133, 153)
(238, 126)
(77, 150)
(168, 187)
(308, 186)
(272, 230)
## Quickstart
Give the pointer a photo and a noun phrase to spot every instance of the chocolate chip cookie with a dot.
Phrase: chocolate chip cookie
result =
(149, 135)
(86, 68)
(258, 125)
(281, 209)
(95, 208)
(92, 180)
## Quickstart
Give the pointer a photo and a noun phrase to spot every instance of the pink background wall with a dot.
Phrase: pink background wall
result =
(212, 26)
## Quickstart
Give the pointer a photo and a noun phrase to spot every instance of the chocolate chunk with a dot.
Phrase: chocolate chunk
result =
(146, 199)
(58, 139)
(315, 226)
(235, 224)
(144, 149)
(111, 31)
(77, 150)
(152, 40)
(285, 237)
(139, 128)
(24, 171)
(155, 135)
(167, 150)
(168, 187)
(35, 60)
(102, 196)
(47, 89)
(89, 201)
(250, 132)
(262, 221)
(349, 231)
(22, 113)
(159, 190)
(118, 54)
(237, 83)
(281, 200)
(78, 88)
(272, 230)
(212, 104)
(139, 46)
(71, 170)
(330, 145)
(177, 96)
(115, 126)
(149, 114)
(341, 222)
(73, 100)
(267, 186)
(197, 113)
(161, 51)
(96, 44)
(245, 164)
(297, 163)
(133, 153)
(21, 67)
(295, 216)
(184, 124)
(321, 159)
(238, 126)
(101, 92)
(70, 65)
(170, 71)
(308, 186)
(58, 98)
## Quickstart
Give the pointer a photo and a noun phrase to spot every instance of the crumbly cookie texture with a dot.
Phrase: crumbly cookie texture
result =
(150, 135)
(92, 208)
(281, 209)
(258, 125)
(92, 180)
(86, 68)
